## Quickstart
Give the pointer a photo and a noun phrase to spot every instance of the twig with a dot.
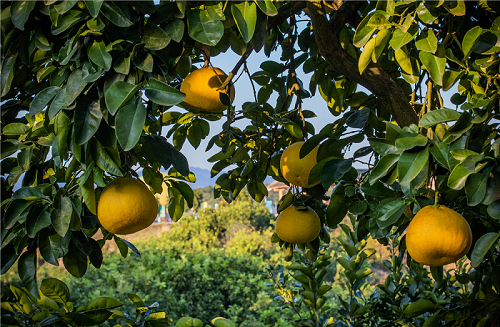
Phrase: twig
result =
(237, 67)
(245, 68)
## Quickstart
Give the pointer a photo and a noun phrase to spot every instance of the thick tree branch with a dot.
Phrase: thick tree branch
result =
(373, 78)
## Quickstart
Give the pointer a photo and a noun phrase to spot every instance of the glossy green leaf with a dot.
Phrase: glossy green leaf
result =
(57, 103)
(87, 119)
(45, 247)
(163, 94)
(458, 177)
(175, 204)
(28, 193)
(383, 167)
(67, 21)
(427, 42)
(245, 15)
(456, 8)
(267, 7)
(419, 307)
(186, 192)
(175, 30)
(115, 15)
(88, 193)
(36, 221)
(390, 212)
(475, 188)
(74, 86)
(94, 6)
(27, 271)
(434, 65)
(470, 40)
(417, 162)
(75, 262)
(202, 28)
(61, 215)
(364, 32)
(55, 289)
(129, 123)
(14, 211)
(293, 129)
(358, 118)
(20, 12)
(482, 246)
(155, 38)
(408, 141)
(366, 56)
(42, 99)
(99, 56)
(401, 38)
(118, 94)
(8, 67)
(99, 304)
(494, 209)
(334, 170)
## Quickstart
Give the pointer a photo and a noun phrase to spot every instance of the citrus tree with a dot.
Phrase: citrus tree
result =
(91, 90)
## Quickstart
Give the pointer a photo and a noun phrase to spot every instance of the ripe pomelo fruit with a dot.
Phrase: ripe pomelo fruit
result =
(438, 236)
(294, 170)
(200, 87)
(126, 206)
(297, 226)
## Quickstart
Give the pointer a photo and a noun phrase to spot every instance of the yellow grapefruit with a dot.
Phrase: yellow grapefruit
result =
(294, 170)
(298, 226)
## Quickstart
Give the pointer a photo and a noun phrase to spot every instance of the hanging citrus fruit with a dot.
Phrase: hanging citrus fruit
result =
(438, 236)
(126, 206)
(297, 226)
(295, 170)
(201, 89)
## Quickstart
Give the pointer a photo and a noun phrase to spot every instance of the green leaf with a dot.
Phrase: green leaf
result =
(419, 307)
(8, 68)
(27, 271)
(470, 40)
(390, 212)
(74, 86)
(458, 177)
(118, 94)
(94, 6)
(55, 289)
(194, 135)
(14, 211)
(401, 38)
(267, 7)
(427, 42)
(175, 30)
(482, 246)
(175, 204)
(20, 12)
(36, 221)
(75, 262)
(129, 123)
(44, 245)
(137, 300)
(8, 257)
(358, 118)
(121, 64)
(245, 15)
(435, 117)
(67, 21)
(293, 129)
(364, 31)
(408, 141)
(475, 188)
(456, 8)
(98, 55)
(417, 162)
(383, 167)
(61, 215)
(334, 170)
(494, 209)
(202, 28)
(99, 304)
(366, 56)
(155, 38)
(28, 193)
(88, 193)
(115, 14)
(153, 178)
(42, 99)
(87, 119)
(163, 94)
(186, 192)
(434, 65)
(65, 6)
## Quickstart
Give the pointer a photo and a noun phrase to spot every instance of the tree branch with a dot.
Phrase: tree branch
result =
(284, 12)
(373, 78)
